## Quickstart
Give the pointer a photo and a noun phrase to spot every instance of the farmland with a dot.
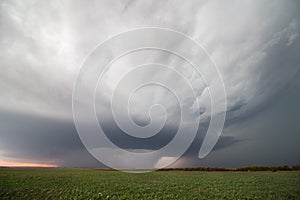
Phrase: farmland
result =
(97, 184)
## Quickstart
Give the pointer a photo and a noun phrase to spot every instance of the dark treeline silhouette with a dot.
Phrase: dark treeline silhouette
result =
(205, 169)
(242, 169)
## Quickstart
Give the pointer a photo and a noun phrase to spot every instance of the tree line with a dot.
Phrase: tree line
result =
(248, 168)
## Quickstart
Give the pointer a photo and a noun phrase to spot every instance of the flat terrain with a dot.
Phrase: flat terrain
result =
(96, 184)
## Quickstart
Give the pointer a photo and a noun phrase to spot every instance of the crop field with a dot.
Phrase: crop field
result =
(97, 184)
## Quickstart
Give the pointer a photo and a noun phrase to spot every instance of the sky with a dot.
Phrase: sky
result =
(255, 45)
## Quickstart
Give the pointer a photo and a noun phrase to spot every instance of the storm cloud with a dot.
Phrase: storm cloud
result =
(255, 45)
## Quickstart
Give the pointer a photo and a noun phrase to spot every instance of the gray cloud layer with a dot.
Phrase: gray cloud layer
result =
(255, 44)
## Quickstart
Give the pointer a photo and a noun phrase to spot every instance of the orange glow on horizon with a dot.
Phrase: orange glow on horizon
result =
(24, 164)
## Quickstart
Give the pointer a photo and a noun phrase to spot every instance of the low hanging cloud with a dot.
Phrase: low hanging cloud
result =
(43, 44)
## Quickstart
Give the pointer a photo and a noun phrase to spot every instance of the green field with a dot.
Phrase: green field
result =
(96, 184)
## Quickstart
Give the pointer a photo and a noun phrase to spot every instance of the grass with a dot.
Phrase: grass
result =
(95, 184)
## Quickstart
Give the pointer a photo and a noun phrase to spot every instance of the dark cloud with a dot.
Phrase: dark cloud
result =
(42, 45)
(40, 139)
